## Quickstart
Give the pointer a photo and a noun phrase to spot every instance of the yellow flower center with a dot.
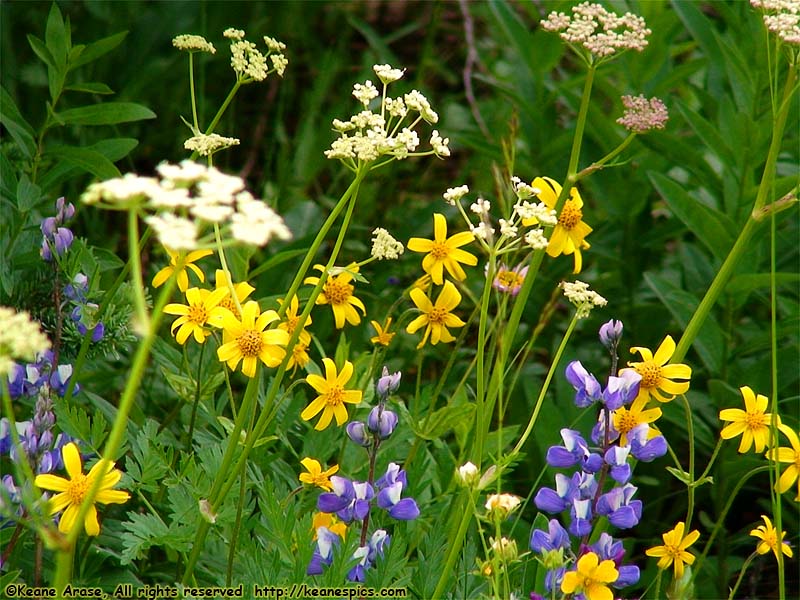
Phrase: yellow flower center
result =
(510, 279)
(650, 372)
(291, 323)
(338, 292)
(755, 420)
(437, 315)
(77, 488)
(250, 342)
(230, 305)
(570, 215)
(625, 421)
(197, 314)
(673, 551)
(335, 396)
(439, 250)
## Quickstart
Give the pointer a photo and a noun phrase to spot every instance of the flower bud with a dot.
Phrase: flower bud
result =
(502, 504)
(357, 432)
(388, 383)
(468, 474)
(381, 421)
(505, 549)
(611, 333)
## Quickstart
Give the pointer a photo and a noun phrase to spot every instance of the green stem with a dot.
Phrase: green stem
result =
(742, 242)
(454, 548)
(599, 164)
(481, 424)
(139, 304)
(196, 399)
(191, 92)
(746, 564)
(210, 129)
(690, 487)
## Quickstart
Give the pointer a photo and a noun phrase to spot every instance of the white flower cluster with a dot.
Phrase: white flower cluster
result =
(185, 198)
(784, 20)
(384, 246)
(247, 60)
(582, 297)
(205, 145)
(369, 135)
(193, 43)
(539, 211)
(20, 338)
(522, 189)
(453, 195)
(601, 32)
(481, 206)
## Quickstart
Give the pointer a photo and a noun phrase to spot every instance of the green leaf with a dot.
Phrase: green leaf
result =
(89, 88)
(41, 51)
(88, 160)
(712, 228)
(28, 194)
(109, 113)
(57, 38)
(19, 129)
(744, 284)
(115, 149)
(97, 49)
(445, 419)
(707, 133)
(710, 340)
(679, 474)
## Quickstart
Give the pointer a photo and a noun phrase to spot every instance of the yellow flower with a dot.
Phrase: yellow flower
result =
(201, 307)
(590, 578)
(330, 522)
(384, 338)
(178, 261)
(753, 424)
(73, 490)
(769, 539)
(316, 476)
(299, 357)
(443, 252)
(569, 235)
(249, 340)
(657, 375)
(673, 552)
(332, 395)
(338, 292)
(788, 455)
(436, 317)
(625, 419)
(242, 291)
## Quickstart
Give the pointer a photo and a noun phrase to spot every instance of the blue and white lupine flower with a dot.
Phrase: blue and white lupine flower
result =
(620, 508)
(611, 334)
(574, 451)
(381, 421)
(587, 388)
(607, 548)
(644, 447)
(556, 538)
(616, 457)
(323, 552)
(621, 390)
(581, 514)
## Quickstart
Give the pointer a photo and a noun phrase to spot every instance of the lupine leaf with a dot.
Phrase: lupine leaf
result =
(108, 113)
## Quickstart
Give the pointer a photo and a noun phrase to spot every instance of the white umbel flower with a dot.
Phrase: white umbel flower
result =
(21, 338)
(384, 246)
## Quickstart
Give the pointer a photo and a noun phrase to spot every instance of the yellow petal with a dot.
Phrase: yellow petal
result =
(665, 351)
(72, 460)
(51, 482)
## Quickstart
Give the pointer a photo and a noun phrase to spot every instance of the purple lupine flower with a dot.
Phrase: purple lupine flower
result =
(581, 514)
(393, 474)
(60, 240)
(59, 379)
(338, 499)
(618, 506)
(323, 553)
(621, 390)
(358, 508)
(16, 381)
(611, 333)
(585, 484)
(402, 509)
(587, 389)
(555, 501)
(357, 432)
(555, 538)
(574, 451)
(77, 289)
(64, 210)
(381, 421)
(643, 447)
(387, 384)
(607, 548)
(616, 457)
(553, 579)
(358, 573)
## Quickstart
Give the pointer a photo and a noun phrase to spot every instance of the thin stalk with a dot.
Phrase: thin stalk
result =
(745, 566)
(690, 487)
(220, 112)
(195, 122)
(454, 548)
(196, 400)
(139, 304)
(481, 426)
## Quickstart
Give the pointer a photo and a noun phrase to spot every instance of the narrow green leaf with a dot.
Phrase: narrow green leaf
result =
(89, 88)
(19, 129)
(97, 49)
(41, 51)
(109, 113)
(115, 149)
(88, 160)
(28, 194)
(706, 132)
(712, 228)
(56, 37)
(744, 284)
(710, 341)
(445, 419)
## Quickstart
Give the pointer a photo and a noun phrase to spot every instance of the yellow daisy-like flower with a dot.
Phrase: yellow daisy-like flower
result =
(657, 375)
(625, 419)
(242, 291)
(332, 395)
(299, 357)
(384, 337)
(769, 539)
(316, 476)
(753, 424)
(330, 522)
(202, 306)
(569, 234)
(788, 455)
(178, 261)
(249, 340)
(443, 252)
(74, 490)
(338, 292)
(436, 318)
(673, 552)
(591, 578)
